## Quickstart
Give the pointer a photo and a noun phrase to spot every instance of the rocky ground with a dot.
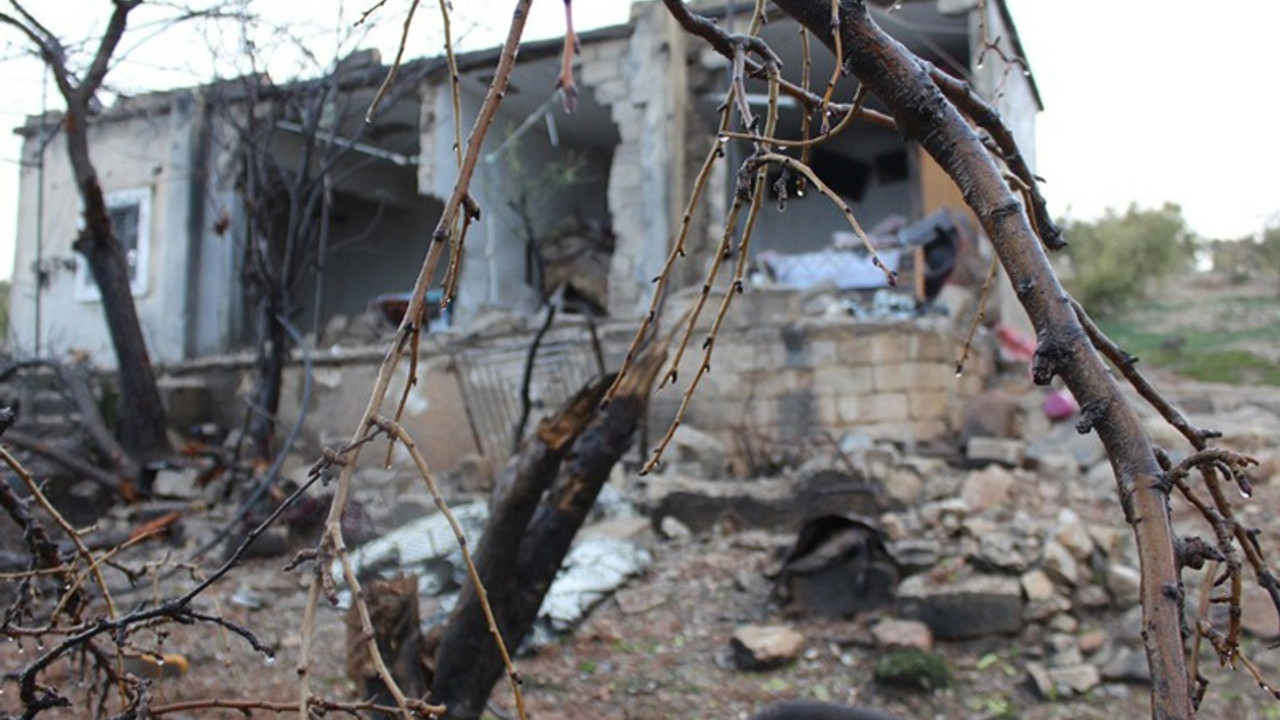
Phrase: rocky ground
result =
(1018, 575)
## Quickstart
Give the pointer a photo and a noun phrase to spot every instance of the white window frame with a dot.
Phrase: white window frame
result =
(86, 288)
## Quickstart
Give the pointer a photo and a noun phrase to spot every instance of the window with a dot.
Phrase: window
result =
(130, 213)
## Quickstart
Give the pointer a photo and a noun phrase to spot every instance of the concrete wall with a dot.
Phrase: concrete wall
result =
(156, 152)
(645, 85)
(1010, 91)
(372, 252)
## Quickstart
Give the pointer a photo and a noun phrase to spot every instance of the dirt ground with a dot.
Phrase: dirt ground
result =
(659, 649)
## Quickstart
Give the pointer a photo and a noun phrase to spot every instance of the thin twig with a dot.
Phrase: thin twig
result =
(978, 316)
(62, 523)
(424, 470)
(395, 64)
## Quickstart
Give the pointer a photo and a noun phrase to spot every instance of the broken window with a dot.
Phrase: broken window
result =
(130, 214)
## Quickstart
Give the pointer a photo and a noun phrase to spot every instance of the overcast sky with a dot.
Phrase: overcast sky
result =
(1146, 101)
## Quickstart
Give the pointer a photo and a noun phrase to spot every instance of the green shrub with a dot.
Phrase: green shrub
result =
(1118, 259)
(914, 668)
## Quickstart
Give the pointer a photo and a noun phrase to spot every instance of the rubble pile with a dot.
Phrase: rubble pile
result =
(1015, 536)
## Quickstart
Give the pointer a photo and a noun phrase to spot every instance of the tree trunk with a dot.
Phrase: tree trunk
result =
(925, 116)
(272, 356)
(142, 416)
(526, 541)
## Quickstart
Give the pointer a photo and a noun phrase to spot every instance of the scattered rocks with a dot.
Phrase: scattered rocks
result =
(1073, 536)
(1044, 609)
(1124, 583)
(914, 555)
(673, 529)
(1058, 682)
(1127, 666)
(1091, 641)
(1037, 586)
(757, 647)
(1000, 552)
(1060, 564)
(987, 488)
(893, 634)
(1091, 597)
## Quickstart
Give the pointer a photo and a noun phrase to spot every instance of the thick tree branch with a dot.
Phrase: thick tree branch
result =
(107, 47)
(924, 114)
(988, 118)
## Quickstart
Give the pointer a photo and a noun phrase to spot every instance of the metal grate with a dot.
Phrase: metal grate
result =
(491, 376)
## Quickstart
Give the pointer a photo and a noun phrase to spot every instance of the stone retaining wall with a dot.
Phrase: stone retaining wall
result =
(776, 378)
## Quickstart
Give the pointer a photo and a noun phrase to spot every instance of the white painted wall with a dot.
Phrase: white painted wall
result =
(149, 153)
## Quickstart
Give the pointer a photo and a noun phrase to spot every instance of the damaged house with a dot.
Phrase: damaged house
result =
(580, 209)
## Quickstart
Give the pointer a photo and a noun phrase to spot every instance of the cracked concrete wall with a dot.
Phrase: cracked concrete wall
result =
(645, 85)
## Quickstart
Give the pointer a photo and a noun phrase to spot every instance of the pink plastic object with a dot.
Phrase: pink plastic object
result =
(1059, 405)
(1014, 346)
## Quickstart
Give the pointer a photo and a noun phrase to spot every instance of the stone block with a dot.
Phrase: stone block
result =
(927, 405)
(930, 346)
(765, 306)
(1072, 534)
(987, 488)
(929, 429)
(797, 415)
(974, 606)
(854, 349)
(842, 381)
(1060, 564)
(740, 357)
(874, 409)
(930, 376)
(764, 647)
(892, 634)
(888, 346)
(824, 352)
(995, 450)
(1037, 586)
(893, 377)
(1124, 583)
(997, 551)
